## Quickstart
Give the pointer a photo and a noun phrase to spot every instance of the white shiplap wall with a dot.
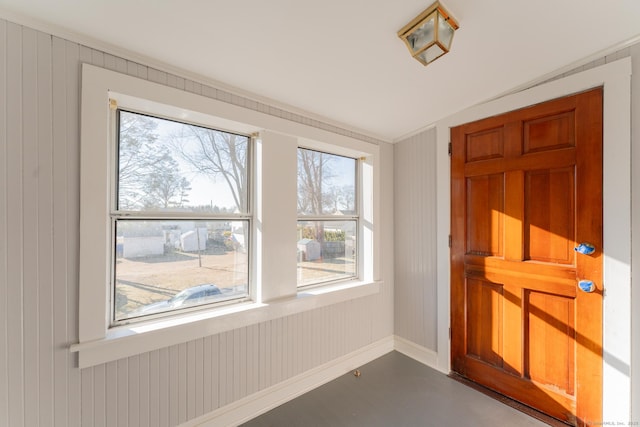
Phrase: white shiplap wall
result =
(39, 245)
(39, 234)
(415, 239)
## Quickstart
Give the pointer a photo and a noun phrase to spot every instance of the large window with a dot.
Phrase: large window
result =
(180, 216)
(327, 217)
(199, 217)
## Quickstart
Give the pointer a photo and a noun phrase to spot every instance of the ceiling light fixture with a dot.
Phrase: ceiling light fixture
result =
(428, 36)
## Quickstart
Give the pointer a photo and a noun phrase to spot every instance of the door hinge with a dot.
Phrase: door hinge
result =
(450, 149)
(449, 334)
(450, 240)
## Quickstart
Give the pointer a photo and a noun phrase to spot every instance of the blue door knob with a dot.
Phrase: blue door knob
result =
(585, 248)
(587, 286)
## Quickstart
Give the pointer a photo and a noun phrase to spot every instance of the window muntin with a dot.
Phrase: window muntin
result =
(180, 217)
(327, 217)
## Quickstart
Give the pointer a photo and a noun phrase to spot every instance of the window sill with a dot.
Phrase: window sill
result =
(129, 340)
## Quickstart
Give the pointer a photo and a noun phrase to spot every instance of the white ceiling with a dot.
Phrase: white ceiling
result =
(341, 59)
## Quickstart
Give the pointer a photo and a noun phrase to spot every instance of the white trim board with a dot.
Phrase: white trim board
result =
(263, 401)
(416, 352)
(615, 78)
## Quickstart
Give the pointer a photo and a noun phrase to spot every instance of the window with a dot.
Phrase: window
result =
(158, 202)
(180, 218)
(327, 217)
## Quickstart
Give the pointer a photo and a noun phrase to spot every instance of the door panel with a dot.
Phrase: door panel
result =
(526, 189)
(484, 145)
(549, 216)
(550, 321)
(485, 203)
(484, 301)
(549, 133)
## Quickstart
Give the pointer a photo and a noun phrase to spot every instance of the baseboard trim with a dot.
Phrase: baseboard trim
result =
(258, 403)
(416, 352)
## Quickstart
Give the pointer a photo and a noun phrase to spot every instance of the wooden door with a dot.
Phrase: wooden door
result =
(526, 188)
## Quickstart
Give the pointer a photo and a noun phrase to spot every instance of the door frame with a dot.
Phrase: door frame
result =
(615, 78)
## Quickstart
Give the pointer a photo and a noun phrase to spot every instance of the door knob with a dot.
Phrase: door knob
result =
(586, 286)
(585, 248)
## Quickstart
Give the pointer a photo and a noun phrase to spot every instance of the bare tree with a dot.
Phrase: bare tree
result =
(313, 172)
(165, 187)
(217, 154)
(148, 176)
(137, 135)
(347, 198)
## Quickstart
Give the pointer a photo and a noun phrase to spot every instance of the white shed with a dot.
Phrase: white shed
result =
(309, 249)
(191, 242)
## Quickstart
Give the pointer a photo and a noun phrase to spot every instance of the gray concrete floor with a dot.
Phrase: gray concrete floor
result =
(394, 390)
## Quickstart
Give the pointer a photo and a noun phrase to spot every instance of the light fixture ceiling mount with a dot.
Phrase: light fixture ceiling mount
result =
(428, 36)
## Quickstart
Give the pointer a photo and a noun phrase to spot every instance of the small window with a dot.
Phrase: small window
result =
(180, 217)
(327, 217)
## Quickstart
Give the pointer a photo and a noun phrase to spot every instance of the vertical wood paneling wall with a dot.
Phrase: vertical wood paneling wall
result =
(415, 239)
(39, 235)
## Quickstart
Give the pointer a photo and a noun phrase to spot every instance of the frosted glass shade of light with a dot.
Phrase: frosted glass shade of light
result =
(423, 35)
(431, 54)
(445, 33)
(429, 35)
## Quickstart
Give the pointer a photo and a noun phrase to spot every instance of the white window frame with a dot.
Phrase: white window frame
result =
(137, 106)
(329, 217)
(273, 288)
